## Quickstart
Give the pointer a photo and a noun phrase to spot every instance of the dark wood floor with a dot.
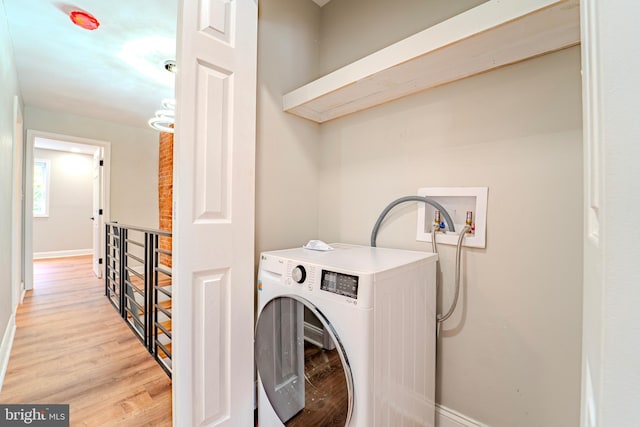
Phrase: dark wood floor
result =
(71, 347)
(326, 394)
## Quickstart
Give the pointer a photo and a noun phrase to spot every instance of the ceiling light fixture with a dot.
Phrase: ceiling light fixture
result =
(84, 20)
(170, 65)
(164, 119)
(169, 104)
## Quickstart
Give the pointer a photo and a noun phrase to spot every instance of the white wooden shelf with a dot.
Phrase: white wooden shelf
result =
(489, 36)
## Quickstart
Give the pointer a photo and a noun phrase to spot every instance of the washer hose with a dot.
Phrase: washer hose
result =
(374, 234)
(442, 317)
(447, 217)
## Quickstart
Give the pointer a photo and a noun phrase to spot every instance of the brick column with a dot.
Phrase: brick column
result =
(165, 192)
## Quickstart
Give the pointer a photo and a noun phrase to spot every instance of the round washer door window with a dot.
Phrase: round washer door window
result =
(302, 365)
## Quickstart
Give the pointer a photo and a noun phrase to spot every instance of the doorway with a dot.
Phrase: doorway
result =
(100, 176)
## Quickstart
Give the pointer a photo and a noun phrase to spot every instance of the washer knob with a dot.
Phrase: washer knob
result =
(299, 274)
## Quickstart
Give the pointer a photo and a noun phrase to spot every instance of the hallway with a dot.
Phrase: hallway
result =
(71, 347)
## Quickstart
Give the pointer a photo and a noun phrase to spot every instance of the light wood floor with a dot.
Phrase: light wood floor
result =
(72, 347)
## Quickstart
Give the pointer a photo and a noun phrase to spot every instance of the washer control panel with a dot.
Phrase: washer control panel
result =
(330, 281)
(339, 283)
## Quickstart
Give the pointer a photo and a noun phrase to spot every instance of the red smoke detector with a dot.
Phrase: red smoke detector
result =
(84, 20)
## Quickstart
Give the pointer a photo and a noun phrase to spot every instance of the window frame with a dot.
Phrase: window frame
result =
(46, 176)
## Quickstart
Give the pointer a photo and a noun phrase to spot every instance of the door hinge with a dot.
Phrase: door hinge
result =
(99, 211)
(99, 260)
(101, 162)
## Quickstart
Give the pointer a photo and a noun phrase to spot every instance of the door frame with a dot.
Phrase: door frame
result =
(28, 178)
(17, 242)
(610, 342)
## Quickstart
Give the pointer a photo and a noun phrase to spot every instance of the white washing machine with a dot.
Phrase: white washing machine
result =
(346, 337)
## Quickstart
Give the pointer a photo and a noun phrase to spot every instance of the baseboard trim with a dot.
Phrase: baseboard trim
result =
(5, 347)
(62, 254)
(446, 417)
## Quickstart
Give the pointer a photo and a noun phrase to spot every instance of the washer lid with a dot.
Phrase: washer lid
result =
(353, 258)
(302, 365)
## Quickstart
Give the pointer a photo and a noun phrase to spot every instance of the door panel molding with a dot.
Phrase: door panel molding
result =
(211, 345)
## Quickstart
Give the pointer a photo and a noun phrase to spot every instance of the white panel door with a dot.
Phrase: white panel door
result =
(97, 218)
(214, 162)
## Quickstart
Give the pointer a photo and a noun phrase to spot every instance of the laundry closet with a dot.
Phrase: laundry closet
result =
(511, 354)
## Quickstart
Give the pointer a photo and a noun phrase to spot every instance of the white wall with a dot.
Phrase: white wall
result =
(287, 148)
(134, 161)
(68, 226)
(8, 91)
(351, 29)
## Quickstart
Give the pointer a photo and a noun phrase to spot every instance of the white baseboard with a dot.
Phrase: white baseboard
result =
(446, 417)
(5, 347)
(62, 254)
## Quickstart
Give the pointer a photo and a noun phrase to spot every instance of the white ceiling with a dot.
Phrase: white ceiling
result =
(114, 73)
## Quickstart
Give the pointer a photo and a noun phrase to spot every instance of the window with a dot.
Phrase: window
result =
(41, 171)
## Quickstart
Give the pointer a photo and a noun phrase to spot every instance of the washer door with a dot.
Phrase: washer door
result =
(302, 365)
